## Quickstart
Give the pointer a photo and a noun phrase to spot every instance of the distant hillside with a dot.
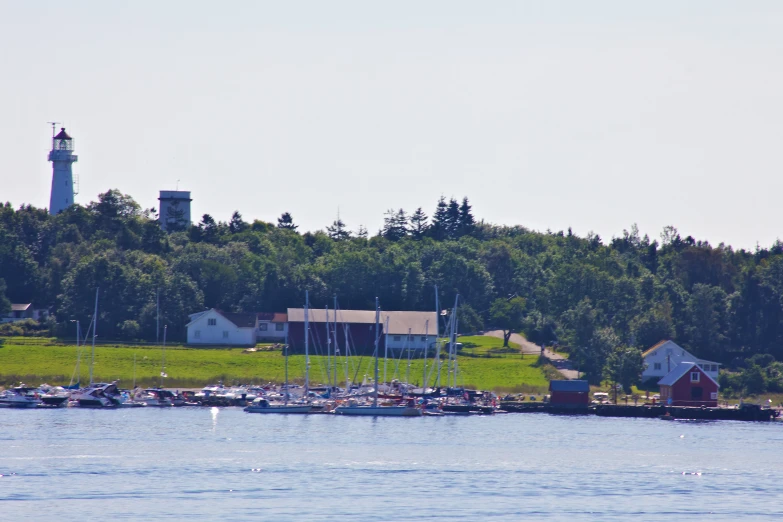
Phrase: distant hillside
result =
(584, 293)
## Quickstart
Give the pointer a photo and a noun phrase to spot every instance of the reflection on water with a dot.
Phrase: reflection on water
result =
(156, 464)
(214, 411)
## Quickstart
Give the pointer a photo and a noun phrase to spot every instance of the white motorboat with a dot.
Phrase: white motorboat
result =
(55, 396)
(100, 396)
(20, 397)
(262, 405)
(154, 397)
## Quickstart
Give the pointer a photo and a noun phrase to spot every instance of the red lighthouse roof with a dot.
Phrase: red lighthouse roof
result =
(62, 135)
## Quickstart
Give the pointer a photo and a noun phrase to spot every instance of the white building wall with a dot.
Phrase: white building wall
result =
(222, 332)
(666, 357)
(417, 342)
(271, 332)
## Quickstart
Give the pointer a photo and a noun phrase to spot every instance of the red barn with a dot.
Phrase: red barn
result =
(688, 385)
(575, 394)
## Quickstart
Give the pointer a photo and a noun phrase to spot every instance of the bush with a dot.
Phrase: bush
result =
(26, 327)
(130, 330)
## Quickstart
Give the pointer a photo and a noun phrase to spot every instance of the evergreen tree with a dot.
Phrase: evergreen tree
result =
(418, 224)
(338, 231)
(439, 228)
(395, 225)
(208, 229)
(466, 221)
(237, 225)
(362, 232)
(286, 221)
(452, 219)
(175, 218)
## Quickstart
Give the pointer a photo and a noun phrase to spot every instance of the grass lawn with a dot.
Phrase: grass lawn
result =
(41, 360)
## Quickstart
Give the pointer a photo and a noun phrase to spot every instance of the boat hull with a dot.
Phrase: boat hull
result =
(379, 411)
(19, 404)
(54, 401)
(279, 409)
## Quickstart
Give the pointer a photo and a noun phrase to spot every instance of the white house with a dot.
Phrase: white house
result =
(414, 330)
(21, 311)
(214, 327)
(667, 355)
(272, 326)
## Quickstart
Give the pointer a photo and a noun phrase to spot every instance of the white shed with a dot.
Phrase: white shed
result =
(216, 328)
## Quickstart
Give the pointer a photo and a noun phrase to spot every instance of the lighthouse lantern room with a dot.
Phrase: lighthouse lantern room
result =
(62, 157)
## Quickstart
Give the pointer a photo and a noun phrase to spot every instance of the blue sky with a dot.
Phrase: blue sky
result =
(545, 114)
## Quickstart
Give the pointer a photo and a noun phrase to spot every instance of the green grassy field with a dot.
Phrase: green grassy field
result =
(42, 360)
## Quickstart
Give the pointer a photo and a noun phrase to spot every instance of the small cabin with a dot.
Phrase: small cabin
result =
(574, 393)
(689, 385)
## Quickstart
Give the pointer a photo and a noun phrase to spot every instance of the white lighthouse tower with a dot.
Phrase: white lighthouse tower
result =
(62, 157)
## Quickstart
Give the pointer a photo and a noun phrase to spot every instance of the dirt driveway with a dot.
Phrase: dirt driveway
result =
(563, 365)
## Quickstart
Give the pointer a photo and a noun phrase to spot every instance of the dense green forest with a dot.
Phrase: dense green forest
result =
(600, 299)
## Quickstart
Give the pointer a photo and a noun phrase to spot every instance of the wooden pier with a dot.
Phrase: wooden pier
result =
(747, 412)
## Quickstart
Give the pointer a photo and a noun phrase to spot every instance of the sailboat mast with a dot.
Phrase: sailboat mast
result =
(94, 329)
(437, 339)
(385, 346)
(328, 352)
(78, 355)
(426, 342)
(347, 373)
(408, 370)
(377, 321)
(336, 348)
(163, 360)
(285, 353)
(453, 344)
(307, 343)
(456, 333)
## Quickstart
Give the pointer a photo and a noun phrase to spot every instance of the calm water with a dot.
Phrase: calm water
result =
(210, 464)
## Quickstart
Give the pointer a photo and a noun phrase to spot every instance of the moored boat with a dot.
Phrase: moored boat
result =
(100, 396)
(262, 405)
(20, 397)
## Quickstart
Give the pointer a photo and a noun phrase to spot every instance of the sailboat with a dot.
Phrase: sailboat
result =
(97, 395)
(375, 410)
(262, 404)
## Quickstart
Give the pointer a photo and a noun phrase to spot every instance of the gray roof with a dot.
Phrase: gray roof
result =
(240, 320)
(679, 371)
(418, 323)
(569, 386)
(19, 307)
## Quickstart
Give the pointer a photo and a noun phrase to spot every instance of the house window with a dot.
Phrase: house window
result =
(197, 334)
(225, 334)
(262, 327)
(212, 321)
(695, 376)
(280, 327)
(714, 368)
(657, 366)
(397, 337)
(424, 338)
(714, 395)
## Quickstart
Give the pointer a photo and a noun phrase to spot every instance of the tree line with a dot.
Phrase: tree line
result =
(601, 300)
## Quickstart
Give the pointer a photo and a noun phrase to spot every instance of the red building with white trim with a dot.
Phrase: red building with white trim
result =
(688, 385)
